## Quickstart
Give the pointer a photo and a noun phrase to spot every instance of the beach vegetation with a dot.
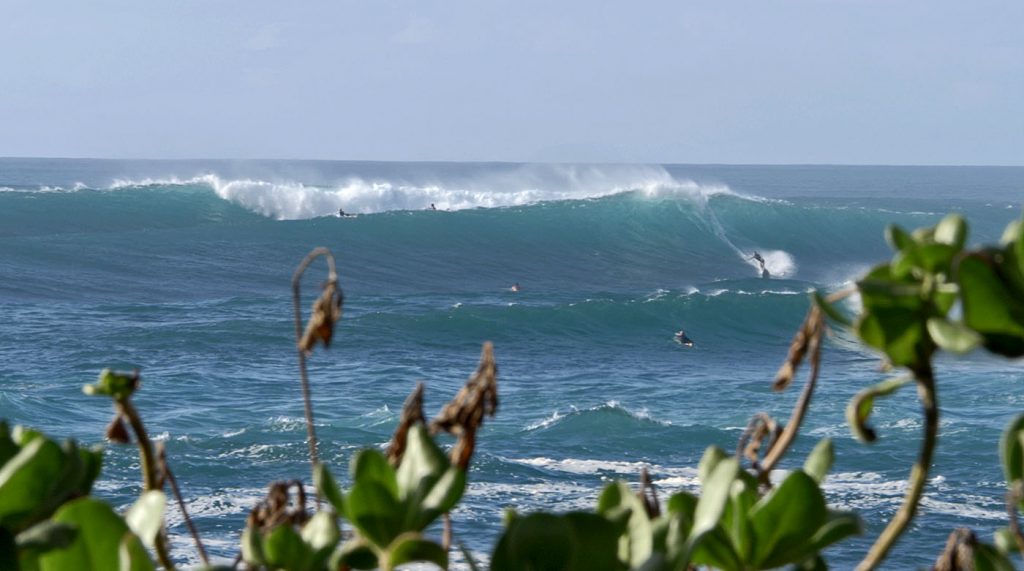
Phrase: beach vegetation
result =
(935, 294)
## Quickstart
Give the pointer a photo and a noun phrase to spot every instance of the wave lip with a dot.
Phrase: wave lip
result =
(296, 200)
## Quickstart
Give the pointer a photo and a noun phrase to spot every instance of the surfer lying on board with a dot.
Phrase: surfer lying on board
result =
(760, 260)
(682, 339)
(515, 287)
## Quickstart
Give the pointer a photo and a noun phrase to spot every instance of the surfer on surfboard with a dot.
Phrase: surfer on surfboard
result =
(760, 260)
(682, 339)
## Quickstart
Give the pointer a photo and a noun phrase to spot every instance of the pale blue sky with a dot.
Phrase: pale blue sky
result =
(761, 81)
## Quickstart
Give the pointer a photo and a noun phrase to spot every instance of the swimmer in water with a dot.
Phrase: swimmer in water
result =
(515, 287)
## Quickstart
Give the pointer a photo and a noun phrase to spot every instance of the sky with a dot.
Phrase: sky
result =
(676, 81)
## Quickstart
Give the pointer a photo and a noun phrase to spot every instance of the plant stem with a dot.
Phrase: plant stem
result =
(789, 433)
(184, 513)
(150, 478)
(918, 474)
(303, 375)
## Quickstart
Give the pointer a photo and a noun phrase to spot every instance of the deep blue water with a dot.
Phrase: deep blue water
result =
(182, 268)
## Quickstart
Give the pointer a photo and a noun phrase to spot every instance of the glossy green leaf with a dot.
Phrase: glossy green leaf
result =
(714, 549)
(953, 336)
(714, 495)
(636, 543)
(735, 521)
(784, 519)
(26, 481)
(46, 535)
(1004, 541)
(7, 446)
(116, 384)
(1011, 450)
(712, 456)
(410, 547)
(357, 554)
(321, 531)
(838, 526)
(862, 404)
(989, 308)
(422, 465)
(146, 516)
(443, 496)
(252, 547)
(683, 503)
(328, 488)
(952, 230)
(374, 511)
(830, 310)
(97, 544)
(819, 461)
(371, 465)
(987, 558)
(898, 238)
(283, 548)
(132, 556)
(539, 542)
(594, 541)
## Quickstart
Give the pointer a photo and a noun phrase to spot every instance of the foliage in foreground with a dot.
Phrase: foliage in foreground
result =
(741, 520)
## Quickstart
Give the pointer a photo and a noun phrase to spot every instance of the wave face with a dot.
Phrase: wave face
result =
(182, 268)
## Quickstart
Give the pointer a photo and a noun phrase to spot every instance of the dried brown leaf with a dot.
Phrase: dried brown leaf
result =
(325, 314)
(412, 413)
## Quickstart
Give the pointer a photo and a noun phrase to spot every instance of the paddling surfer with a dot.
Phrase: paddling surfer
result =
(682, 339)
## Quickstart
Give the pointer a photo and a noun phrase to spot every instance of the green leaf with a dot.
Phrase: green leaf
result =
(594, 541)
(716, 550)
(46, 535)
(636, 543)
(98, 542)
(839, 526)
(862, 404)
(898, 238)
(989, 307)
(819, 461)
(328, 488)
(132, 556)
(445, 494)
(712, 456)
(7, 446)
(410, 547)
(252, 547)
(422, 465)
(371, 465)
(952, 336)
(26, 481)
(952, 230)
(829, 309)
(116, 384)
(987, 558)
(538, 542)
(1011, 451)
(710, 506)
(374, 512)
(357, 554)
(736, 524)
(283, 548)
(785, 518)
(321, 531)
(146, 516)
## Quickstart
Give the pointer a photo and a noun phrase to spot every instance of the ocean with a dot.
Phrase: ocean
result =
(183, 269)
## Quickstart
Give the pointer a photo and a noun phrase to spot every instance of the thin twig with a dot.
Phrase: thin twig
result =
(181, 505)
(918, 474)
(150, 476)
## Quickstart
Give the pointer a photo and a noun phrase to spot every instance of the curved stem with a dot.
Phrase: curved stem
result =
(150, 477)
(184, 512)
(304, 377)
(789, 433)
(918, 474)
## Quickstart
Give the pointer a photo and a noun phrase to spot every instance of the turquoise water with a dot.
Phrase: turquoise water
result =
(182, 268)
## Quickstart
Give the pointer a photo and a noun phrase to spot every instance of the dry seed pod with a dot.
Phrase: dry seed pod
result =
(811, 329)
(648, 495)
(326, 312)
(465, 413)
(958, 555)
(412, 413)
(117, 432)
